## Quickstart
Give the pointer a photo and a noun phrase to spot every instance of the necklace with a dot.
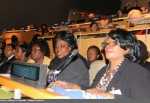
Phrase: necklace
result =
(108, 76)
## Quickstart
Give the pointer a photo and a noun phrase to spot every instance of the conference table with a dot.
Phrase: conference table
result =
(28, 91)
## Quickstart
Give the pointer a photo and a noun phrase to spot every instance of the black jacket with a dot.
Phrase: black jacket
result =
(131, 79)
(75, 72)
(5, 65)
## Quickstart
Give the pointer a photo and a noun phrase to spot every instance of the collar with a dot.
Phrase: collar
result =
(116, 77)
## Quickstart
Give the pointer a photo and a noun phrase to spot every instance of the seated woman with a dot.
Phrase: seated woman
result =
(9, 57)
(39, 52)
(72, 65)
(95, 61)
(93, 54)
(21, 52)
(121, 77)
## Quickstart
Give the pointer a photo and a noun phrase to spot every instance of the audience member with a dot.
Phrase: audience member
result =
(44, 29)
(94, 26)
(91, 17)
(76, 70)
(21, 52)
(121, 77)
(135, 16)
(9, 57)
(95, 60)
(93, 54)
(135, 13)
(104, 22)
(129, 78)
(144, 55)
(119, 13)
(144, 9)
(39, 52)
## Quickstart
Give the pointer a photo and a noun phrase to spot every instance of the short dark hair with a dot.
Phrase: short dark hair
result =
(143, 52)
(98, 52)
(43, 46)
(11, 45)
(126, 40)
(14, 41)
(68, 37)
(24, 47)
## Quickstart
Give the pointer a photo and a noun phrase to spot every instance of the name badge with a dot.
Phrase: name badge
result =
(116, 91)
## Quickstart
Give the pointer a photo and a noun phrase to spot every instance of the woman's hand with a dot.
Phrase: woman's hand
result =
(49, 89)
(67, 85)
(100, 92)
(95, 91)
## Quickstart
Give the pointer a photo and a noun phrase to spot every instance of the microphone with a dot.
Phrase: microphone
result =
(68, 60)
(2, 63)
(54, 74)
(6, 60)
(73, 53)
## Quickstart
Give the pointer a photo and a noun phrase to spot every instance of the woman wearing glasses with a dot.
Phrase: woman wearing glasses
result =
(121, 77)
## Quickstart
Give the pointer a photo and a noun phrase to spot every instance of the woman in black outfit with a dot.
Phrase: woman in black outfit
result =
(73, 68)
(121, 77)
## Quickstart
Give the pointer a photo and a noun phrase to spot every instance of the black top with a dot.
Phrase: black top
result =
(75, 72)
(5, 65)
(131, 79)
(146, 65)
